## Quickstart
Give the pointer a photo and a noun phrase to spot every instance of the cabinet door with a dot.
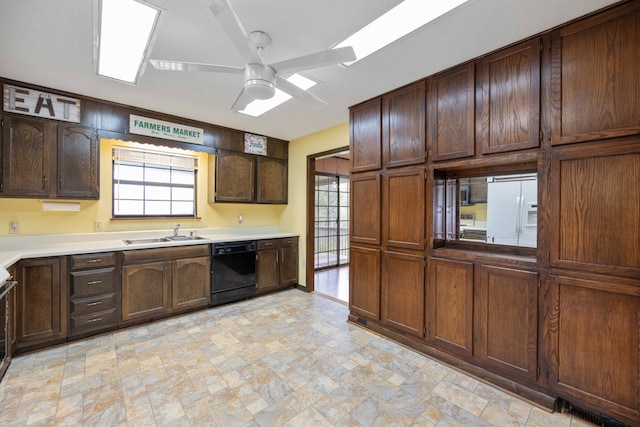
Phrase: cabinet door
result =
(451, 114)
(272, 180)
(506, 326)
(403, 292)
(27, 157)
(364, 282)
(511, 99)
(595, 344)
(365, 208)
(404, 213)
(78, 164)
(267, 272)
(288, 265)
(145, 290)
(403, 126)
(594, 77)
(39, 302)
(450, 305)
(365, 124)
(235, 177)
(191, 282)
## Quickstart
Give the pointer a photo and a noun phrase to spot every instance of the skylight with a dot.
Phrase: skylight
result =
(406, 17)
(259, 107)
(125, 35)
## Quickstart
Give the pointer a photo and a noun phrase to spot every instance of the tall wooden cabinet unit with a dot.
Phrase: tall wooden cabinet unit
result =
(594, 77)
(41, 299)
(44, 159)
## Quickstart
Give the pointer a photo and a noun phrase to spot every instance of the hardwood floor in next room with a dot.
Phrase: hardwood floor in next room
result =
(334, 283)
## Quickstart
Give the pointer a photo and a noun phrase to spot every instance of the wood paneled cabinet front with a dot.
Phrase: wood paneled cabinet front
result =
(41, 297)
(271, 180)
(403, 126)
(364, 281)
(365, 129)
(276, 264)
(158, 282)
(43, 159)
(595, 343)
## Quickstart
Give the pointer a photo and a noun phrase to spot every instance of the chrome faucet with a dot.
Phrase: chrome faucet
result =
(175, 229)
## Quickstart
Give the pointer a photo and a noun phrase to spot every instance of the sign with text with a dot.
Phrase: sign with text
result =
(166, 130)
(36, 103)
(255, 144)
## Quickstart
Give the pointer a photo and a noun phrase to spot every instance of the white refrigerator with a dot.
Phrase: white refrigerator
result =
(512, 210)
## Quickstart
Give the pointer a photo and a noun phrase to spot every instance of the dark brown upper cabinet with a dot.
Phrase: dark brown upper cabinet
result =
(365, 208)
(403, 126)
(366, 136)
(451, 114)
(594, 77)
(510, 107)
(78, 166)
(271, 180)
(28, 157)
(235, 177)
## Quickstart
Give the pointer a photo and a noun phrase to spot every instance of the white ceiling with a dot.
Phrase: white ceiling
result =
(49, 43)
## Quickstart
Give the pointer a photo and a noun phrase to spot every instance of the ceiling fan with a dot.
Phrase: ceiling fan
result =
(260, 78)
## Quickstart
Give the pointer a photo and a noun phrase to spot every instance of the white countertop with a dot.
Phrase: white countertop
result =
(15, 248)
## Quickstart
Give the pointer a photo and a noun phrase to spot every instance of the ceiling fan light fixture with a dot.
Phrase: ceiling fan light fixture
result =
(259, 81)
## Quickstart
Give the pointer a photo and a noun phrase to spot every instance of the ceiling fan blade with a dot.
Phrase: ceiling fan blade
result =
(316, 60)
(241, 101)
(194, 66)
(226, 15)
(298, 93)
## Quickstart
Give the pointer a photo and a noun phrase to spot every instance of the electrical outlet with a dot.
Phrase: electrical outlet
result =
(97, 225)
(240, 219)
(14, 227)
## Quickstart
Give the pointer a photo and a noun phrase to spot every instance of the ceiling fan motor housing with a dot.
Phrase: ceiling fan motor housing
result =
(259, 81)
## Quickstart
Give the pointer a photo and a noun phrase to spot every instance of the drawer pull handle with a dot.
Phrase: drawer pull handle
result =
(92, 261)
(91, 304)
(94, 282)
(97, 319)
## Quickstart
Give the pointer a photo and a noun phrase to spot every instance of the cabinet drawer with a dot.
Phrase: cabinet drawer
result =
(92, 304)
(92, 282)
(106, 259)
(88, 322)
(268, 244)
(289, 241)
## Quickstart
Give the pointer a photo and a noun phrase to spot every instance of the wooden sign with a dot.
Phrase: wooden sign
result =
(36, 103)
(166, 130)
(255, 144)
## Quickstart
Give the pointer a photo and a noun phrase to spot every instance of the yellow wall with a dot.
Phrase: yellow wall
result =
(34, 221)
(294, 217)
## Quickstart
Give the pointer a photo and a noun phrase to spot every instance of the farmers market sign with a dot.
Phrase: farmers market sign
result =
(166, 130)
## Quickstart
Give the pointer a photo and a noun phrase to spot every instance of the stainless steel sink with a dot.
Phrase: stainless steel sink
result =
(144, 241)
(182, 238)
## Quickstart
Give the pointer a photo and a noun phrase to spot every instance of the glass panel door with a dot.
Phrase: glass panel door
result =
(331, 221)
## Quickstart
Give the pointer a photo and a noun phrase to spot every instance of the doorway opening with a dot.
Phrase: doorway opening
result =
(328, 224)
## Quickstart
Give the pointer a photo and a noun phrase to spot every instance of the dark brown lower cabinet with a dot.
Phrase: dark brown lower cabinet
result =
(276, 264)
(594, 326)
(450, 306)
(40, 301)
(158, 282)
(506, 321)
(364, 282)
(403, 291)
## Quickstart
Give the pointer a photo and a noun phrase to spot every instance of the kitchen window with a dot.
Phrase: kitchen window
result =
(491, 210)
(150, 184)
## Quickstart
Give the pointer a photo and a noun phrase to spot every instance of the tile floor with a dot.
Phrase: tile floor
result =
(287, 359)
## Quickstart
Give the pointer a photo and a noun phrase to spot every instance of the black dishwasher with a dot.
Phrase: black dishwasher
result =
(233, 271)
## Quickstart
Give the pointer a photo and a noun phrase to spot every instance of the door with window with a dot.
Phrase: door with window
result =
(331, 245)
